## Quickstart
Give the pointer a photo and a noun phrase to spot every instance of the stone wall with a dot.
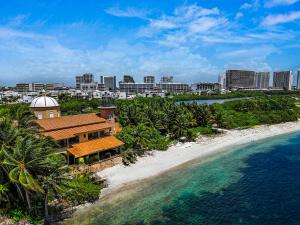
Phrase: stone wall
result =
(99, 166)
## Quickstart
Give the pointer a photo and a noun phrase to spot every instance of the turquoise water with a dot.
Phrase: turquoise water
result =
(254, 184)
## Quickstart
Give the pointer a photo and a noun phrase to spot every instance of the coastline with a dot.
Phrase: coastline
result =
(158, 162)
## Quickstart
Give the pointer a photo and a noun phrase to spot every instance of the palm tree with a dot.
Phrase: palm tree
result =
(53, 181)
(8, 132)
(24, 117)
(25, 160)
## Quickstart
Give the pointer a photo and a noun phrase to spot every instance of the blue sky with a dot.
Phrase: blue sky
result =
(54, 40)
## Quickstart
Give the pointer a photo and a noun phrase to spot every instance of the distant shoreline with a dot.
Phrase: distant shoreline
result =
(159, 162)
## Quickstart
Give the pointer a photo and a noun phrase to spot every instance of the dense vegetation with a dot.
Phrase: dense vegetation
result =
(234, 94)
(33, 176)
(151, 123)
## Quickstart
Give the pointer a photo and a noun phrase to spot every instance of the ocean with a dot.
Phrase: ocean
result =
(254, 184)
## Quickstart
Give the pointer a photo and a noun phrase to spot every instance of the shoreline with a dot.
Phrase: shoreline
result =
(158, 162)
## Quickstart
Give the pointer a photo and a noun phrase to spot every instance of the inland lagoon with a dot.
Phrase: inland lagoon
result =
(258, 183)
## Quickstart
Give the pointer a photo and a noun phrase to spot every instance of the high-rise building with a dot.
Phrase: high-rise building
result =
(167, 84)
(298, 80)
(128, 79)
(167, 79)
(208, 86)
(282, 80)
(149, 79)
(86, 82)
(174, 87)
(130, 87)
(109, 82)
(240, 79)
(263, 80)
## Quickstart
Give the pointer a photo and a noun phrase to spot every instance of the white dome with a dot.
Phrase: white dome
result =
(44, 102)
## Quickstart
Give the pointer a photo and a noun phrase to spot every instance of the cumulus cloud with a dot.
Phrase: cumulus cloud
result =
(275, 19)
(41, 58)
(185, 24)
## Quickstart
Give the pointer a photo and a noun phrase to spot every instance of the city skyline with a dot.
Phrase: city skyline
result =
(53, 41)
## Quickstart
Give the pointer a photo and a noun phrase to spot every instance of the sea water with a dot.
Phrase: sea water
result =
(254, 184)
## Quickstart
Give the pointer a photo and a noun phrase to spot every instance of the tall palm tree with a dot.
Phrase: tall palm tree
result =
(25, 160)
(53, 181)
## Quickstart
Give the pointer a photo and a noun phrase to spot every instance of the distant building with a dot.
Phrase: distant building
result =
(298, 80)
(208, 86)
(38, 86)
(133, 88)
(130, 87)
(174, 87)
(282, 80)
(86, 82)
(23, 87)
(109, 83)
(53, 86)
(240, 79)
(167, 79)
(128, 79)
(263, 80)
(149, 79)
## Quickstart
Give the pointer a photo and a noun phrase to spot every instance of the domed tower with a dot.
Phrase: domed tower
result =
(45, 107)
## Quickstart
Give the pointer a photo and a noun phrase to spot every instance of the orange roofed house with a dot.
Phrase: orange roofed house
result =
(85, 139)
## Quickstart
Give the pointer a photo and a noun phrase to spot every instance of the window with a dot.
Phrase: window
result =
(51, 114)
(40, 115)
(92, 136)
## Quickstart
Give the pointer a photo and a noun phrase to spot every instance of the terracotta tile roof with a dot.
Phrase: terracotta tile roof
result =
(94, 146)
(71, 132)
(69, 121)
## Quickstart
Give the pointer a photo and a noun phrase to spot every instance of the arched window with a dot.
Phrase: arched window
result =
(51, 114)
(40, 115)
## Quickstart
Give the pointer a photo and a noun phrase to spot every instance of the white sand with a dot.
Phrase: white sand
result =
(161, 161)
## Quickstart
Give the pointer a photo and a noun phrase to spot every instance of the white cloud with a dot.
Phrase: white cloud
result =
(239, 15)
(249, 58)
(272, 20)
(250, 5)
(206, 24)
(33, 57)
(184, 25)
(272, 3)
(246, 6)
(128, 12)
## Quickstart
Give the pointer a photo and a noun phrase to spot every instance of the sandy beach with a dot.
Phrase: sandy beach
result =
(160, 161)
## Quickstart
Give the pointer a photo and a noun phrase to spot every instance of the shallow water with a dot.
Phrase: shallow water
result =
(255, 184)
